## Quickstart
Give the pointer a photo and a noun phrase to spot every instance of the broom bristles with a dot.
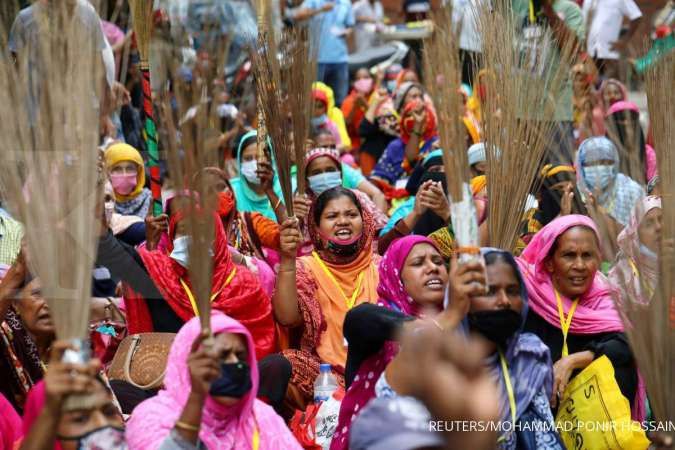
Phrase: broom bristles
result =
(141, 12)
(298, 77)
(441, 53)
(518, 115)
(275, 106)
(49, 136)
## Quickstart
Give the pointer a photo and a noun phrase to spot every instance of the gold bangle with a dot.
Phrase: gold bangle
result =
(186, 426)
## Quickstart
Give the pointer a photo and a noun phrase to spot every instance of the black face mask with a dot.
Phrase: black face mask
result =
(438, 177)
(495, 325)
(234, 380)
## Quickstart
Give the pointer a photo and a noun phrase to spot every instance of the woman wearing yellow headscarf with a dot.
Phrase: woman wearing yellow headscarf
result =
(335, 114)
(127, 175)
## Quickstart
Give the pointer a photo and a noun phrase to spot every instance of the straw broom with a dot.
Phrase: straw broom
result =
(518, 115)
(441, 54)
(651, 329)
(141, 11)
(192, 140)
(49, 136)
(298, 76)
(273, 102)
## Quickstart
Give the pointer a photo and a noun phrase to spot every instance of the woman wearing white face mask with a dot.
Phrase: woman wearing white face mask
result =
(598, 176)
(257, 188)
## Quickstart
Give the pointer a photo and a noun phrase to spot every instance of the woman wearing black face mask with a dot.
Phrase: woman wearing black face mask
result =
(520, 361)
(209, 396)
(426, 210)
(315, 292)
(72, 409)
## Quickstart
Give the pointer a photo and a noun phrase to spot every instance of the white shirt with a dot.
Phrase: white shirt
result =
(365, 35)
(607, 17)
(465, 14)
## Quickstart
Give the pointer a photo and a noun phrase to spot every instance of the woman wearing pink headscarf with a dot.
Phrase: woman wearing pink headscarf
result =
(210, 400)
(572, 309)
(636, 269)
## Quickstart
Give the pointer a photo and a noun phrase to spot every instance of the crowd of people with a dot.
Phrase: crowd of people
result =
(366, 276)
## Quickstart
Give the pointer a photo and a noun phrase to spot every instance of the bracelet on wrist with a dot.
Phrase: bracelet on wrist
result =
(186, 426)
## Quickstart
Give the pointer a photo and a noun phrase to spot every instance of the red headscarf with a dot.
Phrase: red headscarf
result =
(242, 298)
(407, 121)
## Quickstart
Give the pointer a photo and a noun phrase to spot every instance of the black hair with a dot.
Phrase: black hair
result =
(331, 194)
(243, 143)
(495, 257)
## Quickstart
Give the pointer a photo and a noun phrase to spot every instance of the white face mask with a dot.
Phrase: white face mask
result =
(109, 208)
(249, 171)
(599, 177)
(180, 252)
(646, 251)
(324, 181)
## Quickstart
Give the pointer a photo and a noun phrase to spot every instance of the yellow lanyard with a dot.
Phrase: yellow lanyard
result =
(357, 290)
(565, 322)
(213, 296)
(636, 273)
(509, 387)
(255, 440)
(532, 16)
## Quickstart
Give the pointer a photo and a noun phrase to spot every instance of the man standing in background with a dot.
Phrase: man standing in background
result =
(605, 17)
(333, 22)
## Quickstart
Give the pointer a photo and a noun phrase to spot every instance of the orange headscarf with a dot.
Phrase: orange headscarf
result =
(336, 283)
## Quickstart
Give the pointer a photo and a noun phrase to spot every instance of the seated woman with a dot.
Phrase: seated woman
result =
(377, 129)
(250, 234)
(335, 115)
(26, 334)
(518, 361)
(236, 291)
(209, 396)
(72, 409)
(418, 134)
(637, 268)
(638, 159)
(324, 171)
(315, 292)
(560, 268)
(426, 210)
(133, 200)
(557, 196)
(598, 175)
(351, 177)
(253, 193)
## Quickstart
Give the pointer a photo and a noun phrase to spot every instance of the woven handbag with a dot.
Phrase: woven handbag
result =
(141, 360)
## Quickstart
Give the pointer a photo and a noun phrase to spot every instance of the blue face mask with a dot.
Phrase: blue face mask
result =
(646, 251)
(234, 380)
(249, 171)
(599, 177)
(391, 86)
(319, 121)
(180, 252)
(324, 181)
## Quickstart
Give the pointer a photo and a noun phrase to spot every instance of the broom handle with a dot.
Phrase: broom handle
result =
(150, 138)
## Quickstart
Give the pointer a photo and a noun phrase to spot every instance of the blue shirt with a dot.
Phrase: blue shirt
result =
(329, 27)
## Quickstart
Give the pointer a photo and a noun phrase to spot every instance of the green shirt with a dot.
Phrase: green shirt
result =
(573, 18)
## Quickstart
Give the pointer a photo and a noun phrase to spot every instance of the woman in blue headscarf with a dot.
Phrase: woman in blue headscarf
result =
(598, 174)
(257, 188)
(520, 362)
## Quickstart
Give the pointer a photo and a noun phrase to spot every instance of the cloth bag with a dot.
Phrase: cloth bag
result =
(595, 415)
(141, 360)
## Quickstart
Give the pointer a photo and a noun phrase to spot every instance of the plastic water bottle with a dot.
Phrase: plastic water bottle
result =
(324, 385)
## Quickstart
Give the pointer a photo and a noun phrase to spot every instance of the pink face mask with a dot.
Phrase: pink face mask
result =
(123, 183)
(364, 85)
